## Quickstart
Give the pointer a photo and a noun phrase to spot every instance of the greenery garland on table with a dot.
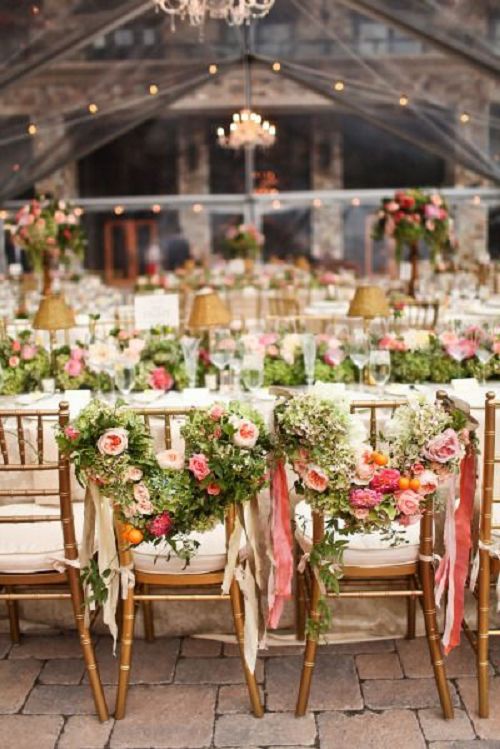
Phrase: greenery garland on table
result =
(22, 364)
(163, 497)
(361, 490)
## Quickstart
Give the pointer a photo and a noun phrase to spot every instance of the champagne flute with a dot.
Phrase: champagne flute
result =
(190, 347)
(252, 372)
(221, 349)
(358, 352)
(124, 377)
(484, 357)
(309, 353)
(379, 367)
(236, 363)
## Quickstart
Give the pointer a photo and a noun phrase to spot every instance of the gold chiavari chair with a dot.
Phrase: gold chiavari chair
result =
(409, 575)
(489, 553)
(152, 569)
(283, 305)
(419, 314)
(30, 554)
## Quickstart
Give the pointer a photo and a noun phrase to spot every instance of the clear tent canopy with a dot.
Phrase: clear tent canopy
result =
(76, 75)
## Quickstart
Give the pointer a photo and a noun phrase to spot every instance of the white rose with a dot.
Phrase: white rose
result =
(170, 459)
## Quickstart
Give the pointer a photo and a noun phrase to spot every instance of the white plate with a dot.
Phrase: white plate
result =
(147, 396)
(27, 399)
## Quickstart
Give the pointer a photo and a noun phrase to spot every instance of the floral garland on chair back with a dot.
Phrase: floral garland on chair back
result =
(161, 497)
(359, 489)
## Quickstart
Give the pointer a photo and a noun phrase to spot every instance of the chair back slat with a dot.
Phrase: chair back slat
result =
(21, 440)
(39, 439)
(3, 444)
(374, 407)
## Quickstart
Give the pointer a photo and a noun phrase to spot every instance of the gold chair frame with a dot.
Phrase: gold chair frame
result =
(488, 566)
(145, 581)
(19, 587)
(421, 314)
(377, 582)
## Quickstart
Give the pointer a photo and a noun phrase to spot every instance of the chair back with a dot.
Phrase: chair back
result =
(419, 314)
(487, 522)
(283, 305)
(161, 423)
(27, 453)
(376, 408)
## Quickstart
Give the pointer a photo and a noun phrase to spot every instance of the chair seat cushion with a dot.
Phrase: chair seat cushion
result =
(34, 547)
(160, 559)
(371, 549)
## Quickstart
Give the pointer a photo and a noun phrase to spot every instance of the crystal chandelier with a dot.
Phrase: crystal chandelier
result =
(247, 130)
(234, 12)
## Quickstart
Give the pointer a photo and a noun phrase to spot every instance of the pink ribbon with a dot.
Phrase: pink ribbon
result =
(281, 531)
(453, 569)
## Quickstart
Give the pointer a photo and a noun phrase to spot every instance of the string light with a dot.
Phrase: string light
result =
(212, 69)
(119, 209)
(32, 128)
(476, 200)
(3, 215)
(403, 100)
(339, 85)
(197, 208)
(356, 202)
(276, 66)
(93, 108)
(464, 118)
(78, 211)
(156, 208)
(276, 204)
(153, 89)
(317, 203)
(35, 10)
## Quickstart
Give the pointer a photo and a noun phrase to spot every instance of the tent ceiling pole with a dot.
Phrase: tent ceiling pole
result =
(487, 64)
(76, 41)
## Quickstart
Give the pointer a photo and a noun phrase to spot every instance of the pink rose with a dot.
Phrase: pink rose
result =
(113, 442)
(361, 513)
(74, 367)
(77, 353)
(268, 339)
(428, 482)
(444, 447)
(365, 498)
(141, 496)
(160, 379)
(133, 474)
(334, 357)
(315, 478)
(198, 465)
(246, 434)
(408, 502)
(16, 346)
(409, 519)
(216, 412)
(170, 460)
(389, 343)
(28, 352)
(71, 433)
(496, 348)
(417, 469)
(213, 489)
(448, 338)
(365, 468)
(14, 361)
(161, 525)
(386, 480)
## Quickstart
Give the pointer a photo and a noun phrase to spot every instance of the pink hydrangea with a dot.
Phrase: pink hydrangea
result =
(160, 379)
(74, 367)
(161, 525)
(365, 498)
(386, 480)
(444, 447)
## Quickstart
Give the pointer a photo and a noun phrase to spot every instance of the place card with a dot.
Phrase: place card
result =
(151, 310)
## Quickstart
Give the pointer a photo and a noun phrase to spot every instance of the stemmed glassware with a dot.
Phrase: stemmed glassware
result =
(358, 348)
(379, 367)
(236, 363)
(124, 376)
(190, 348)
(221, 349)
(252, 371)
(484, 356)
(309, 353)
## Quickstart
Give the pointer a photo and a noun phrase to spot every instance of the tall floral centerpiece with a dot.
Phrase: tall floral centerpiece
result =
(243, 241)
(410, 217)
(50, 232)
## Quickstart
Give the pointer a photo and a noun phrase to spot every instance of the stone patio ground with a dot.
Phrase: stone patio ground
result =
(189, 694)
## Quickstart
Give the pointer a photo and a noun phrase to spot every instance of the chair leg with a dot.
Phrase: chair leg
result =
(253, 687)
(433, 637)
(411, 612)
(13, 612)
(483, 611)
(309, 654)
(300, 599)
(125, 655)
(147, 613)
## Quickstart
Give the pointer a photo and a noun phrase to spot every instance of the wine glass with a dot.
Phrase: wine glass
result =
(358, 352)
(124, 377)
(236, 362)
(221, 349)
(190, 347)
(252, 371)
(484, 357)
(379, 367)
(309, 353)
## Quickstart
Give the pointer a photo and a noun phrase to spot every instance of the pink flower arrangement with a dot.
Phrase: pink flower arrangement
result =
(333, 357)
(160, 379)
(28, 352)
(170, 460)
(14, 361)
(74, 367)
(217, 412)
(315, 478)
(444, 447)
(365, 498)
(408, 502)
(246, 434)
(113, 442)
(198, 465)
(213, 489)
(386, 480)
(71, 433)
(391, 343)
(161, 525)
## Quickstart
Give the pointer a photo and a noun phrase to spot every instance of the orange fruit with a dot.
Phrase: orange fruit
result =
(415, 484)
(404, 483)
(135, 536)
(379, 459)
(126, 528)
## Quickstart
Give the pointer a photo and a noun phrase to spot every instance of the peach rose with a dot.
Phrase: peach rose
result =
(365, 467)
(141, 496)
(213, 489)
(170, 459)
(428, 482)
(133, 474)
(315, 478)
(113, 442)
(246, 434)
(444, 447)
(216, 412)
(198, 465)
(408, 502)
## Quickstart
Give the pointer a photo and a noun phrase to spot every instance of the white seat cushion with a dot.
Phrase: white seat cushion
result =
(34, 547)
(371, 549)
(210, 556)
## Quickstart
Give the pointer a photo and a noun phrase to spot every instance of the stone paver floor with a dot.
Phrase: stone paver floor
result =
(190, 694)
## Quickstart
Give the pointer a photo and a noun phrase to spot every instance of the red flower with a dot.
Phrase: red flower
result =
(160, 379)
(161, 525)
